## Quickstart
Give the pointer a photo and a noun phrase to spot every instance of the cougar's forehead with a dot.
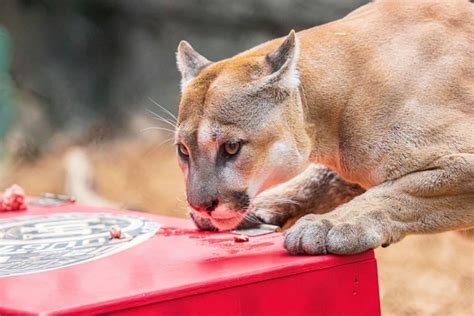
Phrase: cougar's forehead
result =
(225, 92)
(223, 112)
(199, 135)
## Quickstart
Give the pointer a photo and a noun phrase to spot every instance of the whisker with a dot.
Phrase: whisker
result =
(157, 128)
(164, 142)
(175, 119)
(273, 211)
(156, 147)
(250, 219)
(253, 216)
(270, 201)
(276, 199)
(180, 199)
(162, 119)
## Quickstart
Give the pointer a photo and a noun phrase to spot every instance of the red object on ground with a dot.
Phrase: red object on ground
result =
(115, 232)
(12, 199)
(241, 238)
(174, 271)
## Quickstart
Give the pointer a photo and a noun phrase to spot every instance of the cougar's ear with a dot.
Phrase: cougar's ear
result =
(283, 63)
(190, 62)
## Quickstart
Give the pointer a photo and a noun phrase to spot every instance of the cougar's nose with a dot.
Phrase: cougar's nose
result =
(205, 207)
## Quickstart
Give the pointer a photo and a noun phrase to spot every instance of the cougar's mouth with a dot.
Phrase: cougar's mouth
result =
(226, 224)
(229, 215)
(230, 220)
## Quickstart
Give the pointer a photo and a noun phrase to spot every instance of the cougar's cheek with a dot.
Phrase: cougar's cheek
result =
(281, 164)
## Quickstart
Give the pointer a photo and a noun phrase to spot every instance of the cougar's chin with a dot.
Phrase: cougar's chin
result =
(226, 223)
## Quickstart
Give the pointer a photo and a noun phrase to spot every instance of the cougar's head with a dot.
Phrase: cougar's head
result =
(240, 127)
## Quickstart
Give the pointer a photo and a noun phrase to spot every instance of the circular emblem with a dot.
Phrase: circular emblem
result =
(38, 243)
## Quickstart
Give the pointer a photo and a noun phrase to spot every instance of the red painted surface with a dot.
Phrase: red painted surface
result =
(181, 271)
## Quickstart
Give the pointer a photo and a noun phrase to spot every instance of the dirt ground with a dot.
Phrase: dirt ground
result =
(427, 275)
(422, 275)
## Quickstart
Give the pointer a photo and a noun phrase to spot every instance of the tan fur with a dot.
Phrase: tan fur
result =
(385, 98)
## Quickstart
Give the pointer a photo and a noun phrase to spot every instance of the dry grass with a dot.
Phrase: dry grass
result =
(422, 275)
(135, 175)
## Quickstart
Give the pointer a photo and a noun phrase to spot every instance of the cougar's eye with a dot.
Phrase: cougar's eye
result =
(232, 148)
(183, 151)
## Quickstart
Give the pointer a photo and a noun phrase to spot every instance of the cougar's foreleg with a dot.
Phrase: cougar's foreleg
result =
(436, 199)
(316, 190)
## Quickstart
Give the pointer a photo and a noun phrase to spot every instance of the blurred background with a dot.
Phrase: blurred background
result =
(80, 80)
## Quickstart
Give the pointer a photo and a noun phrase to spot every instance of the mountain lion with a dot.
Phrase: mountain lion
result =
(363, 127)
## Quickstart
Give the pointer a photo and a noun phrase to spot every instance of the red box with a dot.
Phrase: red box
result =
(60, 260)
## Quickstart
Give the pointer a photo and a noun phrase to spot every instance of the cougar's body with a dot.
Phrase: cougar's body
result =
(384, 98)
(389, 79)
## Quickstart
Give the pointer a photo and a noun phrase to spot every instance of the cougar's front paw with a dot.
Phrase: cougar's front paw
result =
(308, 236)
(202, 223)
(351, 238)
(316, 235)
